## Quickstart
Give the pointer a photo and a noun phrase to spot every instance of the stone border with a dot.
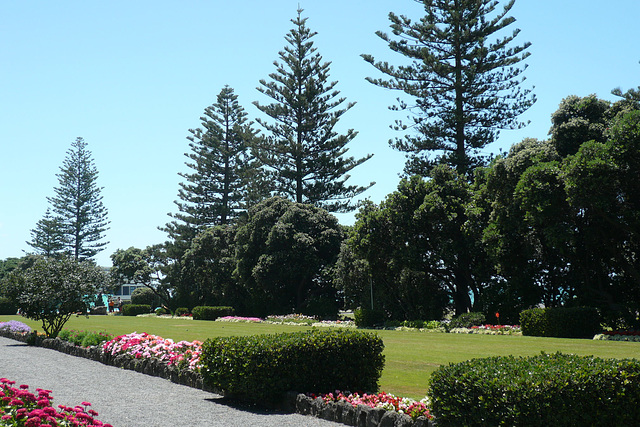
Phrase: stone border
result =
(340, 412)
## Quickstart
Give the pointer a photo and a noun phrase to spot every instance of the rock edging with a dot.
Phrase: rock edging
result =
(340, 412)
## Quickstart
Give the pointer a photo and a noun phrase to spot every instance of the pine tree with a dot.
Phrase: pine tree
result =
(304, 155)
(216, 191)
(78, 204)
(465, 87)
(48, 237)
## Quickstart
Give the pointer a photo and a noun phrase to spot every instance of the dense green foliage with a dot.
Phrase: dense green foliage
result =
(7, 306)
(285, 252)
(561, 322)
(79, 219)
(84, 338)
(264, 367)
(366, 317)
(463, 86)
(135, 309)
(552, 390)
(144, 296)
(211, 313)
(305, 157)
(467, 320)
(53, 289)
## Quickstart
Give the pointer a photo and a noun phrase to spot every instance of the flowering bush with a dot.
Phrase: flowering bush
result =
(20, 407)
(385, 401)
(238, 319)
(489, 330)
(14, 326)
(183, 354)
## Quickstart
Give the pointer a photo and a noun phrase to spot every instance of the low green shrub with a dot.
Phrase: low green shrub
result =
(144, 296)
(262, 368)
(84, 338)
(549, 390)
(7, 306)
(181, 311)
(561, 322)
(366, 317)
(135, 309)
(161, 310)
(204, 312)
(467, 320)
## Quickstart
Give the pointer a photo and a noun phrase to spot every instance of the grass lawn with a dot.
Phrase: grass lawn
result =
(411, 356)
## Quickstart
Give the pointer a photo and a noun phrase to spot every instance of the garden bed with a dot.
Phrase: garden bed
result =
(341, 412)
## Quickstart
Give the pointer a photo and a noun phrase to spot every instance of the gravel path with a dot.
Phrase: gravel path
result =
(126, 398)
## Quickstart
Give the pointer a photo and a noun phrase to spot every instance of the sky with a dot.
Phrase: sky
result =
(132, 77)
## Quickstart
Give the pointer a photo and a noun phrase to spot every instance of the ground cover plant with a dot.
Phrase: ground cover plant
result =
(410, 356)
(84, 338)
(20, 407)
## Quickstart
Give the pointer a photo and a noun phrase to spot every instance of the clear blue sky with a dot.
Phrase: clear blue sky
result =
(131, 77)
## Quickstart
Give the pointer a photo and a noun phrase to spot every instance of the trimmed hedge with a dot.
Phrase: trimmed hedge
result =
(265, 367)
(7, 306)
(135, 309)
(553, 390)
(204, 312)
(366, 317)
(561, 322)
(180, 311)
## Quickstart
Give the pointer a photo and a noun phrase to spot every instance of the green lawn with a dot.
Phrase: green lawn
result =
(411, 356)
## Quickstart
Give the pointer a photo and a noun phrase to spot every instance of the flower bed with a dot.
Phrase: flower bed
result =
(489, 330)
(13, 326)
(183, 354)
(388, 402)
(239, 319)
(20, 407)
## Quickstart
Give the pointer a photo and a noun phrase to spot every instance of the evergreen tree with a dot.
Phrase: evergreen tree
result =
(465, 87)
(304, 155)
(48, 237)
(218, 188)
(78, 204)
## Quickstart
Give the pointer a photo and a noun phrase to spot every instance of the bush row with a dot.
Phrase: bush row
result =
(204, 312)
(557, 390)
(561, 322)
(7, 306)
(135, 309)
(264, 367)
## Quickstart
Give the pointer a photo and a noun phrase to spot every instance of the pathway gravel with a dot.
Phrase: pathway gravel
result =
(126, 398)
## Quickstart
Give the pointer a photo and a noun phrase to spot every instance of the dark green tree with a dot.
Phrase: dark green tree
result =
(464, 87)
(220, 185)
(285, 252)
(143, 267)
(207, 270)
(48, 237)
(303, 154)
(77, 204)
(53, 289)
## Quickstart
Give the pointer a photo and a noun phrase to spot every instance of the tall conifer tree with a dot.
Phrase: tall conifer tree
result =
(48, 237)
(303, 153)
(77, 204)
(465, 86)
(217, 189)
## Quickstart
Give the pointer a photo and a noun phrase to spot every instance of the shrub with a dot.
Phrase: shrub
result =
(262, 368)
(162, 310)
(561, 322)
(84, 338)
(181, 311)
(144, 296)
(467, 320)
(554, 390)
(204, 312)
(135, 309)
(7, 306)
(366, 318)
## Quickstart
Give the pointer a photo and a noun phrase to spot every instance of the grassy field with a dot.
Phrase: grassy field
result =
(411, 356)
